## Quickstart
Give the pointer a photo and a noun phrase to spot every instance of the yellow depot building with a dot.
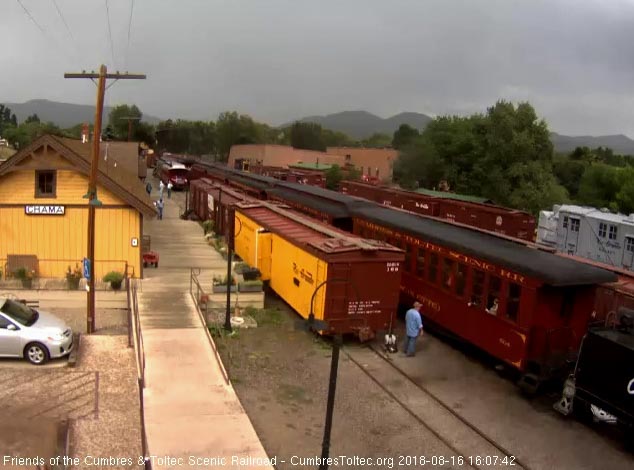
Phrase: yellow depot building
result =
(44, 215)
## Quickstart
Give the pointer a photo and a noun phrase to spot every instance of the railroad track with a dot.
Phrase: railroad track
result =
(468, 442)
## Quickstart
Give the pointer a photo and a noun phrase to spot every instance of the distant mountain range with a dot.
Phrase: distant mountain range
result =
(63, 114)
(356, 124)
(361, 124)
(620, 144)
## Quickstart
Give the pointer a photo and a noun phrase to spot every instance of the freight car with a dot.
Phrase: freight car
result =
(344, 280)
(511, 222)
(602, 385)
(523, 306)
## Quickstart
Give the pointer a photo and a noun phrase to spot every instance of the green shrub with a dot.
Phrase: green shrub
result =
(208, 226)
(239, 268)
(251, 283)
(113, 277)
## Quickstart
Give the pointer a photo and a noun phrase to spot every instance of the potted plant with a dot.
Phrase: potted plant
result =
(208, 226)
(73, 277)
(220, 284)
(250, 286)
(26, 276)
(114, 278)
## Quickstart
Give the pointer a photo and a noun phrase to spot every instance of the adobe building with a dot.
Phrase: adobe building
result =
(374, 164)
(44, 215)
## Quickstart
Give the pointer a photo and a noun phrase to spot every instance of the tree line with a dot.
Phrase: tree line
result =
(506, 155)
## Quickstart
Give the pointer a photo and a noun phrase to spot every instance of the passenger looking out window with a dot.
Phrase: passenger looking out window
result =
(493, 310)
(477, 289)
(494, 294)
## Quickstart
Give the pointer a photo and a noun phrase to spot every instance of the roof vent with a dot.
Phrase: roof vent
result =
(556, 207)
(630, 217)
(605, 210)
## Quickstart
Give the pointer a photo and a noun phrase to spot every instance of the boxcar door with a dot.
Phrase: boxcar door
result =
(628, 253)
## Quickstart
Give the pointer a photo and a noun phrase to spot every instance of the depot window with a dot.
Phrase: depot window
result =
(45, 183)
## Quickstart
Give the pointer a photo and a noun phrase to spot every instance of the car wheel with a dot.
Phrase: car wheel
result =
(36, 353)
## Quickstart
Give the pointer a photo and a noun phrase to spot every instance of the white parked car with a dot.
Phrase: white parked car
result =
(32, 334)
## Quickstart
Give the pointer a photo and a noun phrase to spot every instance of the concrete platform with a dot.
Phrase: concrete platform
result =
(190, 410)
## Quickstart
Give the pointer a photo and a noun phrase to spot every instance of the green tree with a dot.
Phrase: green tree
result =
(625, 196)
(569, 172)
(307, 135)
(377, 140)
(404, 136)
(233, 129)
(22, 135)
(334, 175)
(599, 186)
(121, 117)
(32, 118)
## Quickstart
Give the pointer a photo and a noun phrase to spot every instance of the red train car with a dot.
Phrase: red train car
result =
(544, 301)
(176, 173)
(510, 222)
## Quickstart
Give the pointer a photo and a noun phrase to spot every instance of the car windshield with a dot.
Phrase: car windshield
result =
(19, 312)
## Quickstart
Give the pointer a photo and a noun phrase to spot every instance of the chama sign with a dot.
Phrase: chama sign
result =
(44, 210)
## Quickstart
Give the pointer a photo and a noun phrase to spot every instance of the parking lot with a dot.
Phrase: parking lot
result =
(97, 398)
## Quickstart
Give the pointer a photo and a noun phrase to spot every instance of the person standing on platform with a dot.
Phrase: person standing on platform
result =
(161, 188)
(159, 206)
(148, 188)
(413, 328)
(169, 190)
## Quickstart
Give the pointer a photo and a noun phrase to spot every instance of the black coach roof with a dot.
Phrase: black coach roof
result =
(551, 269)
(336, 211)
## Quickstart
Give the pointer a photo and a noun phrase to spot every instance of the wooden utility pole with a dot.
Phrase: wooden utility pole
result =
(93, 202)
(130, 119)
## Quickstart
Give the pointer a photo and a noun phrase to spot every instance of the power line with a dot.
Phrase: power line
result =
(127, 48)
(110, 32)
(32, 19)
(59, 12)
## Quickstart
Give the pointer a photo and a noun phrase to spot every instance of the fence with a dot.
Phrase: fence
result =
(135, 337)
(197, 294)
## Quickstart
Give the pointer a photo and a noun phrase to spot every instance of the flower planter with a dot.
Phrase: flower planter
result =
(249, 288)
(220, 289)
(116, 285)
(27, 283)
(73, 283)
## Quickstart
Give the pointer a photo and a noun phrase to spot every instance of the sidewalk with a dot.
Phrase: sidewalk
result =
(190, 412)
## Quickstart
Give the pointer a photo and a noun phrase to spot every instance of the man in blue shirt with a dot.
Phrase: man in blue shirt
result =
(413, 328)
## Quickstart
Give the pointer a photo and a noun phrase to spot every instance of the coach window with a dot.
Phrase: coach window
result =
(461, 279)
(612, 232)
(513, 301)
(477, 289)
(420, 264)
(447, 273)
(565, 221)
(408, 257)
(493, 297)
(574, 225)
(433, 267)
(603, 228)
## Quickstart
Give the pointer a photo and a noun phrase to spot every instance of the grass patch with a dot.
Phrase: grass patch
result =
(265, 316)
(292, 393)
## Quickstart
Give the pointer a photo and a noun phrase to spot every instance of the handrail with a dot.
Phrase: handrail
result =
(193, 280)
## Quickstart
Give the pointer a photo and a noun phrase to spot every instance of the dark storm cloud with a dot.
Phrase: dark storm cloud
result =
(282, 59)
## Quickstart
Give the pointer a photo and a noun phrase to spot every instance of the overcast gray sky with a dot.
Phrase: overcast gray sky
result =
(283, 59)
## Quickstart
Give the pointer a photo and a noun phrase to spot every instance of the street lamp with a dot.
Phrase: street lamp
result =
(334, 366)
